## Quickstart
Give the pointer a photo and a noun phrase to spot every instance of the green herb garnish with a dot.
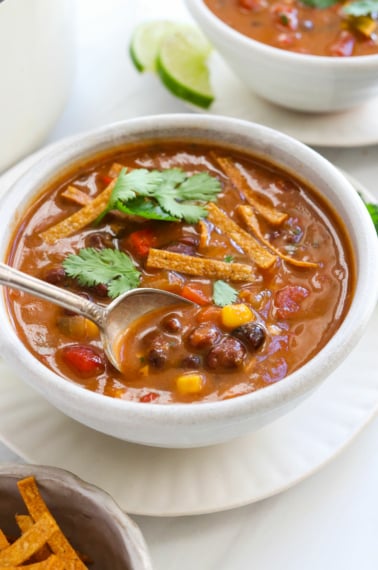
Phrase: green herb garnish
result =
(170, 194)
(373, 211)
(224, 294)
(110, 267)
(361, 7)
(228, 258)
(354, 8)
(320, 3)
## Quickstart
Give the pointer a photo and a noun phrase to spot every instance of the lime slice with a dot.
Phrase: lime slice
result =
(182, 66)
(146, 40)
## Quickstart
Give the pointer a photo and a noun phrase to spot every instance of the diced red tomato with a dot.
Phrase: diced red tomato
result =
(149, 397)
(344, 45)
(195, 292)
(141, 241)
(288, 299)
(107, 179)
(251, 4)
(286, 15)
(83, 359)
(210, 313)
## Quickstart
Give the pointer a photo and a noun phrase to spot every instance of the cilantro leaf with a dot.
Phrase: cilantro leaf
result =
(320, 3)
(148, 209)
(199, 186)
(169, 194)
(224, 294)
(361, 7)
(189, 212)
(106, 266)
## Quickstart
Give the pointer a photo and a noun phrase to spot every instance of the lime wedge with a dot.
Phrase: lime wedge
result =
(182, 66)
(146, 41)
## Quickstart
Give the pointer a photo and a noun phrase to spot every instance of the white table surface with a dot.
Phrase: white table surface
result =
(330, 520)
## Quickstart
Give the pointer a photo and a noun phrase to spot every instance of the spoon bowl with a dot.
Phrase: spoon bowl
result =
(112, 320)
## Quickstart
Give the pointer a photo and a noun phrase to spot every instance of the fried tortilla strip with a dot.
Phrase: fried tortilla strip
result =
(77, 196)
(38, 508)
(25, 522)
(83, 217)
(203, 267)
(4, 542)
(52, 563)
(261, 256)
(248, 216)
(115, 169)
(273, 216)
(30, 542)
(204, 234)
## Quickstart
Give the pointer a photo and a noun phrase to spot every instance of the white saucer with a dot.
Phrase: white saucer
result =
(166, 482)
(358, 127)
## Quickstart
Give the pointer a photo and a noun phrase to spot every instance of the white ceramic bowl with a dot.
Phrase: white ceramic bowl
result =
(89, 517)
(298, 81)
(37, 41)
(189, 425)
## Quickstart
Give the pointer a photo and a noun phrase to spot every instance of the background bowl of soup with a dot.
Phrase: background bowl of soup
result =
(295, 55)
(280, 258)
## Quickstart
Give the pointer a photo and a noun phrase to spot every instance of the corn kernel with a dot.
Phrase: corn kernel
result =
(189, 383)
(236, 315)
(145, 370)
(91, 329)
(78, 327)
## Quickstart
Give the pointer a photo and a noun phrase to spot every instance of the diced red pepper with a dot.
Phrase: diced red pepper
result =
(211, 313)
(251, 4)
(195, 292)
(288, 299)
(149, 397)
(83, 359)
(141, 241)
(344, 45)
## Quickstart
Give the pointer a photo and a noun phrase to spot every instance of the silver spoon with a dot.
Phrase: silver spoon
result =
(112, 319)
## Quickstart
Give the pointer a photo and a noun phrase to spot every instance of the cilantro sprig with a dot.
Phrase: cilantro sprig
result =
(223, 294)
(170, 194)
(106, 266)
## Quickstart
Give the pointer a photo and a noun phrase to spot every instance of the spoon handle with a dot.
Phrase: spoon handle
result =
(11, 277)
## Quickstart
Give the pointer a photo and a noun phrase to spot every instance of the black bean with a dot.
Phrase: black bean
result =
(182, 248)
(191, 361)
(171, 323)
(157, 357)
(229, 353)
(205, 335)
(98, 240)
(252, 334)
(100, 290)
(55, 275)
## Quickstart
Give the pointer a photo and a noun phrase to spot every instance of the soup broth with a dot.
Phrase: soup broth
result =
(266, 262)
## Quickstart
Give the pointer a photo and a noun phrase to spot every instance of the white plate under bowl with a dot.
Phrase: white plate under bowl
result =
(169, 482)
(356, 127)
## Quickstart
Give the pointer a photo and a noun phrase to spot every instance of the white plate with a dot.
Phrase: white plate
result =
(358, 127)
(168, 482)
